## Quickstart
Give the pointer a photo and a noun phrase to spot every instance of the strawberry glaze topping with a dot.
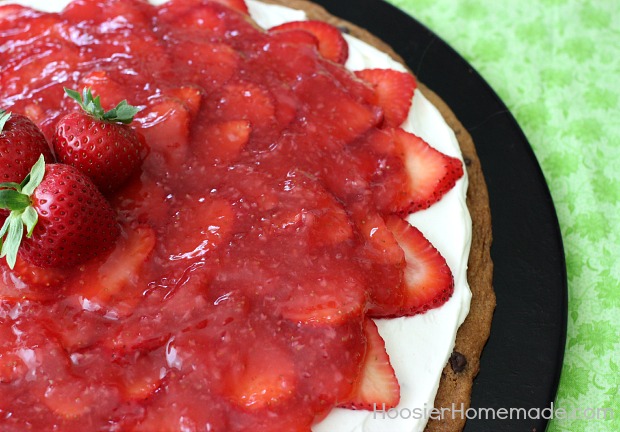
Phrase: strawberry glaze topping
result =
(254, 245)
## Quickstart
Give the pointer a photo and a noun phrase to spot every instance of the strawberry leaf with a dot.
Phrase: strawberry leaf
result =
(3, 230)
(34, 178)
(73, 95)
(4, 117)
(16, 197)
(30, 217)
(122, 113)
(15, 231)
(11, 199)
(10, 185)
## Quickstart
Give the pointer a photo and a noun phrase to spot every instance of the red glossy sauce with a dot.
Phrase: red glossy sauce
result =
(251, 245)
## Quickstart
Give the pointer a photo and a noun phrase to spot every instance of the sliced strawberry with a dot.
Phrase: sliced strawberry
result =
(289, 422)
(341, 117)
(37, 277)
(425, 174)
(210, 19)
(286, 106)
(393, 92)
(358, 88)
(325, 299)
(7, 335)
(8, 12)
(165, 127)
(103, 84)
(12, 367)
(141, 378)
(264, 378)
(38, 348)
(343, 175)
(183, 405)
(306, 205)
(177, 416)
(61, 399)
(431, 173)
(383, 167)
(27, 281)
(290, 63)
(252, 186)
(134, 15)
(35, 113)
(329, 294)
(141, 201)
(428, 281)
(377, 384)
(238, 5)
(294, 36)
(73, 398)
(329, 226)
(116, 37)
(242, 101)
(222, 142)
(43, 61)
(195, 232)
(332, 44)
(190, 15)
(211, 65)
(381, 245)
(97, 282)
(76, 329)
(164, 312)
(384, 261)
(191, 96)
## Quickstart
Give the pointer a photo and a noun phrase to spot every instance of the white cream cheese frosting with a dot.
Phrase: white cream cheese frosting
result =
(418, 346)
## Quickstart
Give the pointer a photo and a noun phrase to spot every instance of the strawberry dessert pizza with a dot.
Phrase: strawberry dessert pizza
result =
(230, 216)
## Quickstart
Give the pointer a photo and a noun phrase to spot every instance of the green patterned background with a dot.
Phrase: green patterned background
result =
(556, 65)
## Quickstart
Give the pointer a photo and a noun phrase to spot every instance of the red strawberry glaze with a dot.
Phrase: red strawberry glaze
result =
(252, 247)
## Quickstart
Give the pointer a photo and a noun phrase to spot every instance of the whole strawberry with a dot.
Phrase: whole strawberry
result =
(99, 143)
(64, 217)
(21, 144)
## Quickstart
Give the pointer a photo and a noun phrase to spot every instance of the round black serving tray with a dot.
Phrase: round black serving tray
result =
(521, 364)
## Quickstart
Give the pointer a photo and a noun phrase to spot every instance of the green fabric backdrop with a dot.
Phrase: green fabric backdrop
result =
(556, 65)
